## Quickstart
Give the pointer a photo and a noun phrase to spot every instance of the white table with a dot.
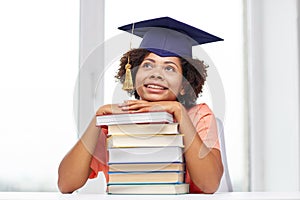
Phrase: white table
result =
(218, 196)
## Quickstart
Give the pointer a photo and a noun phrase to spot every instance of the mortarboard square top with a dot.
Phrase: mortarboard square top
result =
(168, 37)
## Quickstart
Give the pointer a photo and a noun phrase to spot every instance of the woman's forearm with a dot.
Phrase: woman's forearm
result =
(74, 169)
(204, 164)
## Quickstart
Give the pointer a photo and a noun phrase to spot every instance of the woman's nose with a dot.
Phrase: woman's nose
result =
(156, 76)
(157, 73)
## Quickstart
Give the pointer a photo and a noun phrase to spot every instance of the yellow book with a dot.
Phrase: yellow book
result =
(131, 167)
(143, 129)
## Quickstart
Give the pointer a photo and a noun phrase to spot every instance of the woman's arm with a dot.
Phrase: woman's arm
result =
(74, 169)
(204, 164)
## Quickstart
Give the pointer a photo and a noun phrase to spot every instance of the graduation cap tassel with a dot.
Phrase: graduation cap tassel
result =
(128, 84)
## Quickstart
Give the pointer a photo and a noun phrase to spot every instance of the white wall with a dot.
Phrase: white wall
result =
(90, 61)
(39, 59)
(274, 94)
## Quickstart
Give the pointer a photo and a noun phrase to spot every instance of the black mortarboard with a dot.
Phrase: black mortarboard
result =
(168, 37)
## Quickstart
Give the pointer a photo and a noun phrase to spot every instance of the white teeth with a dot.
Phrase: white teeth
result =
(155, 87)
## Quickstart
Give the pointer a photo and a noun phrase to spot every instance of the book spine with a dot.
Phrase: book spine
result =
(151, 151)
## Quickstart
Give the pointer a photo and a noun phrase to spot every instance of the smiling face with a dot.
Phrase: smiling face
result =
(159, 78)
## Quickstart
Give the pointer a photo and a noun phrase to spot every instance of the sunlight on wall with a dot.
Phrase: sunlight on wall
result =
(39, 64)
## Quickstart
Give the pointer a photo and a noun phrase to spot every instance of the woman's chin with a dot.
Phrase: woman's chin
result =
(156, 95)
(153, 98)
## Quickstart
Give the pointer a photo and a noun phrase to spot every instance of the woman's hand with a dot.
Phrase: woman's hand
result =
(109, 109)
(173, 107)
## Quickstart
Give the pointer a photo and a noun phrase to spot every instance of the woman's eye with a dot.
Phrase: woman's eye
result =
(170, 69)
(147, 65)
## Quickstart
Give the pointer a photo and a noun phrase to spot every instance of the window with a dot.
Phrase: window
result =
(39, 65)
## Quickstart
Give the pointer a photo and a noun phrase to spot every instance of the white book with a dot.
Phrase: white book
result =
(120, 141)
(145, 155)
(132, 118)
(145, 177)
(149, 189)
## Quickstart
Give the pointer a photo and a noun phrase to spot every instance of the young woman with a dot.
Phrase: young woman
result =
(163, 79)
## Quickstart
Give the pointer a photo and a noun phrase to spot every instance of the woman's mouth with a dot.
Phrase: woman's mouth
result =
(152, 86)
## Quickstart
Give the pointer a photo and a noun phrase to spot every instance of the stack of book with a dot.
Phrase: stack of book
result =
(145, 154)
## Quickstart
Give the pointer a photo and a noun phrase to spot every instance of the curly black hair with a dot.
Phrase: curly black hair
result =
(193, 71)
